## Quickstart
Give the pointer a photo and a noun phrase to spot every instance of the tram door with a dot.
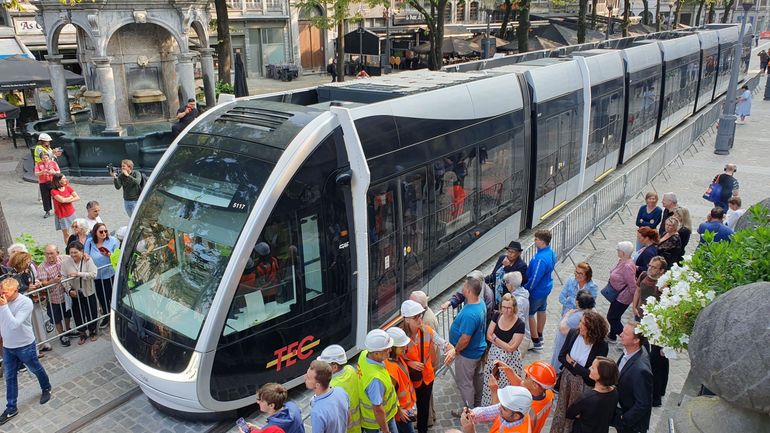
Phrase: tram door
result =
(398, 242)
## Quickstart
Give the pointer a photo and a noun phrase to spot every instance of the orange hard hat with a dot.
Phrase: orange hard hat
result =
(542, 373)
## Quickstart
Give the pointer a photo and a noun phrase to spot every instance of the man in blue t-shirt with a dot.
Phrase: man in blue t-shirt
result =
(716, 225)
(467, 335)
(539, 285)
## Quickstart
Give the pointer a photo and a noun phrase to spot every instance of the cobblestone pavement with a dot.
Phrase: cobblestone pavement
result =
(86, 377)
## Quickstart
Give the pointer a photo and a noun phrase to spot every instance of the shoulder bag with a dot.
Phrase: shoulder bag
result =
(609, 293)
(714, 191)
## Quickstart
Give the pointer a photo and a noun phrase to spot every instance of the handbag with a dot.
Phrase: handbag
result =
(609, 293)
(415, 375)
(714, 191)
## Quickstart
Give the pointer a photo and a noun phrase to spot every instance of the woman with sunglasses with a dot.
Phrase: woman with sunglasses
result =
(100, 247)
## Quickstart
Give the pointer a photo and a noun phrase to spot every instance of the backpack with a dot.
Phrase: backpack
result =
(142, 181)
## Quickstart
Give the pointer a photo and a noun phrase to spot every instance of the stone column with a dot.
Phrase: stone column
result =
(59, 84)
(207, 68)
(185, 73)
(109, 104)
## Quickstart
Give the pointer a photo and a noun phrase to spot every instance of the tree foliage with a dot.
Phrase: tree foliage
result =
(434, 19)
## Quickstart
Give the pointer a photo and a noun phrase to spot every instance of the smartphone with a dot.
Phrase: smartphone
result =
(241, 423)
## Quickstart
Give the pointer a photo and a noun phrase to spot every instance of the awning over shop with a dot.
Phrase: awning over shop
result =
(8, 111)
(19, 72)
(362, 41)
(12, 46)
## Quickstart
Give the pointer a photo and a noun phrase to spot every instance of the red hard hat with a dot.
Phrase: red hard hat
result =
(542, 373)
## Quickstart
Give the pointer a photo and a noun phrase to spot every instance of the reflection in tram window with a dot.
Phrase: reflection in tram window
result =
(680, 90)
(456, 207)
(383, 246)
(186, 228)
(606, 124)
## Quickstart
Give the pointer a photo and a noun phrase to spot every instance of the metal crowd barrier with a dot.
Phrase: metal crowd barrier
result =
(588, 217)
(89, 310)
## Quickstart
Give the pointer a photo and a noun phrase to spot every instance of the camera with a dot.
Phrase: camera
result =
(110, 169)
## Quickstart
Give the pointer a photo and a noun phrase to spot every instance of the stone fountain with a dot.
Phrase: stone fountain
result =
(139, 69)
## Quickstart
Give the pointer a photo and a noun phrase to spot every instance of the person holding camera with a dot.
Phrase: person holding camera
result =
(185, 116)
(130, 181)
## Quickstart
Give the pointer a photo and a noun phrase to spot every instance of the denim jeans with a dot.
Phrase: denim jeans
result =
(391, 426)
(11, 359)
(129, 205)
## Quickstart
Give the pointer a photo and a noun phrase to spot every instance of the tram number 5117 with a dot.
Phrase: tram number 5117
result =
(287, 356)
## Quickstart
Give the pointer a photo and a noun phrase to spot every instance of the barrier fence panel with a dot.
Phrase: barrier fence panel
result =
(656, 162)
(55, 309)
(579, 224)
(636, 179)
(609, 200)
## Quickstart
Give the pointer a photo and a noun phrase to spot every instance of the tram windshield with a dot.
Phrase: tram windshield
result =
(183, 235)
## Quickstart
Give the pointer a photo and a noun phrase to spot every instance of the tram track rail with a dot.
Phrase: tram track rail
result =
(116, 403)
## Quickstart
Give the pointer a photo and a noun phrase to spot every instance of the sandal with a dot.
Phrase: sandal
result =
(94, 337)
(82, 340)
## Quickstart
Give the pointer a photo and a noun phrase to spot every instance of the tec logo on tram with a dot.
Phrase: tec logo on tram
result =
(288, 355)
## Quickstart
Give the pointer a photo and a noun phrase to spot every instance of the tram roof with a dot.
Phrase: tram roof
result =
(386, 87)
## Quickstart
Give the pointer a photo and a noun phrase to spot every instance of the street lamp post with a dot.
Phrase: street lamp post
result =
(609, 22)
(726, 133)
(485, 49)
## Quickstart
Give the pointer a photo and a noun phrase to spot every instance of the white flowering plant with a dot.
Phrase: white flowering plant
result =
(668, 321)
(714, 269)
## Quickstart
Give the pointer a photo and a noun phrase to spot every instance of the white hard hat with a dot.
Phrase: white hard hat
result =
(121, 232)
(333, 353)
(399, 336)
(44, 137)
(515, 398)
(378, 340)
(410, 308)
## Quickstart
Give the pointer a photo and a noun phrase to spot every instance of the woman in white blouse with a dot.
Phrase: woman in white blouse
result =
(577, 354)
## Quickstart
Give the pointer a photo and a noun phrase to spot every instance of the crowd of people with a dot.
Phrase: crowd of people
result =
(501, 318)
(65, 296)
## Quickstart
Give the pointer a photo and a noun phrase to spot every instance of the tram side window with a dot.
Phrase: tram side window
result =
(547, 156)
(605, 126)
(456, 195)
(496, 157)
(643, 103)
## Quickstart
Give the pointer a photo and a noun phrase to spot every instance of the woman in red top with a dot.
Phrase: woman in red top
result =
(63, 196)
(45, 170)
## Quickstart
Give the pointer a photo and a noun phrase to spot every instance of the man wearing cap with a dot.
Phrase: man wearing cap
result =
(510, 262)
(511, 415)
(399, 373)
(329, 405)
(379, 404)
(346, 377)
(468, 336)
(185, 115)
(44, 146)
(539, 380)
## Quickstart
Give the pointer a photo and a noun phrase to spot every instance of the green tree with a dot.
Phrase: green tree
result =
(593, 13)
(434, 19)
(626, 16)
(224, 43)
(658, 16)
(507, 12)
(729, 8)
(646, 12)
(336, 12)
(581, 27)
(522, 31)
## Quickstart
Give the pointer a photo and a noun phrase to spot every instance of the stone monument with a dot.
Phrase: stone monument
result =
(730, 354)
(136, 57)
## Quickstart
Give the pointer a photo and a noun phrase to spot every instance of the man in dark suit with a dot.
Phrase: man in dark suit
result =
(634, 384)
